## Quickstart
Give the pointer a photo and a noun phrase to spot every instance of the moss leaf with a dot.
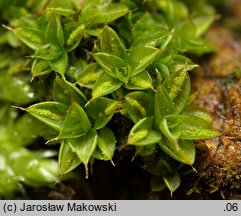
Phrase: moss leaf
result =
(101, 110)
(140, 81)
(172, 181)
(109, 62)
(50, 113)
(89, 75)
(68, 160)
(66, 92)
(185, 152)
(139, 58)
(106, 142)
(142, 133)
(138, 105)
(111, 43)
(84, 147)
(104, 85)
(76, 123)
(60, 64)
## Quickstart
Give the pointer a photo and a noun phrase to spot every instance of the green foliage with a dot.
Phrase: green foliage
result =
(18, 164)
(87, 62)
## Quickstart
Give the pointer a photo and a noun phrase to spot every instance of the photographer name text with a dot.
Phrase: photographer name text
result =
(69, 206)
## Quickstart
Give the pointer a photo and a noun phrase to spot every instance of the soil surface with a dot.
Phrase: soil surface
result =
(218, 90)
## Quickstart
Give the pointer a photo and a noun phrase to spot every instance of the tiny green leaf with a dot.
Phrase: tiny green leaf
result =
(101, 110)
(50, 113)
(106, 12)
(140, 81)
(172, 137)
(142, 133)
(76, 123)
(109, 62)
(49, 51)
(67, 93)
(104, 85)
(140, 58)
(167, 40)
(40, 67)
(60, 64)
(161, 165)
(163, 104)
(111, 43)
(75, 37)
(68, 160)
(178, 88)
(172, 181)
(163, 70)
(89, 76)
(139, 105)
(31, 37)
(194, 128)
(122, 74)
(195, 110)
(54, 31)
(98, 154)
(106, 142)
(75, 67)
(150, 40)
(84, 147)
(157, 183)
(68, 5)
(61, 11)
(185, 153)
(181, 63)
(147, 150)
